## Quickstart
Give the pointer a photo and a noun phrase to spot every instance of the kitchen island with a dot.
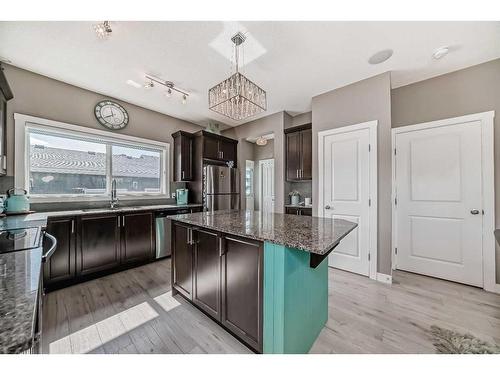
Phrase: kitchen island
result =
(263, 277)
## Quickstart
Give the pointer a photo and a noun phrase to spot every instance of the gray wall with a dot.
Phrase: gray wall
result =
(302, 119)
(273, 123)
(362, 101)
(472, 90)
(44, 97)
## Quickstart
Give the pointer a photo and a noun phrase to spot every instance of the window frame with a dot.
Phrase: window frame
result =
(22, 153)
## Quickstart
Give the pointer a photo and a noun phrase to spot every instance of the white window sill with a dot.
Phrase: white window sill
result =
(94, 198)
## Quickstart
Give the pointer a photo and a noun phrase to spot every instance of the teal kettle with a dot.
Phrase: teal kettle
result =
(17, 201)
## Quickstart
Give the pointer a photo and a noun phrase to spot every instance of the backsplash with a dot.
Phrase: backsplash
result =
(303, 187)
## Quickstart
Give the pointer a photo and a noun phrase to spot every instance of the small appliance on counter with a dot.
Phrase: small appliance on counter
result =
(17, 202)
(181, 196)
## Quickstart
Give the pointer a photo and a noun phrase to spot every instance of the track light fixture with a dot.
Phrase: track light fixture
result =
(152, 81)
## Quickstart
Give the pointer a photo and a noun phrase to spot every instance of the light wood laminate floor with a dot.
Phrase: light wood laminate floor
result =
(133, 312)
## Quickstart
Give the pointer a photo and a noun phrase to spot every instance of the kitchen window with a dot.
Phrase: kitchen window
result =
(76, 163)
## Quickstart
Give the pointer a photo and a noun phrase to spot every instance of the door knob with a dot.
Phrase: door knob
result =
(474, 211)
(327, 207)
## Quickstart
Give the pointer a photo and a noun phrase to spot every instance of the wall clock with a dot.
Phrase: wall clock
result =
(111, 115)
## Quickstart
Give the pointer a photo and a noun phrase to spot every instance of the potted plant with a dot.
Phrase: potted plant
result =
(294, 197)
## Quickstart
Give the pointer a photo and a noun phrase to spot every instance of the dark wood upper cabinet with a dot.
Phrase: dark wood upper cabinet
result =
(210, 147)
(299, 153)
(60, 266)
(183, 156)
(138, 237)
(242, 291)
(98, 247)
(182, 259)
(206, 271)
(219, 148)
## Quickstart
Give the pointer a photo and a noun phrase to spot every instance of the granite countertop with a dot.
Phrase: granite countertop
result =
(19, 287)
(312, 234)
(39, 219)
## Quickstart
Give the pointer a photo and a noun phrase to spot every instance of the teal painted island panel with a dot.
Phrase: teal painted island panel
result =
(295, 300)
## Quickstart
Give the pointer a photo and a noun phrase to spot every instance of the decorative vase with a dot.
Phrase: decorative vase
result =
(294, 199)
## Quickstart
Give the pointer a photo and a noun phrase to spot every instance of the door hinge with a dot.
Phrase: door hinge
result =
(396, 201)
(369, 147)
(396, 250)
(369, 256)
(369, 202)
(394, 151)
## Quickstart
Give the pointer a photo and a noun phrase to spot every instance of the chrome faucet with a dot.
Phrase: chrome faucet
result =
(114, 198)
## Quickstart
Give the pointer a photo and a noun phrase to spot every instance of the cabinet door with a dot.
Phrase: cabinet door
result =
(306, 211)
(186, 173)
(211, 148)
(138, 239)
(293, 156)
(228, 150)
(206, 272)
(182, 260)
(61, 265)
(98, 243)
(242, 289)
(306, 155)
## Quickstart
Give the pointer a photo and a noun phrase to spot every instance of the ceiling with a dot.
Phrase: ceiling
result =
(292, 61)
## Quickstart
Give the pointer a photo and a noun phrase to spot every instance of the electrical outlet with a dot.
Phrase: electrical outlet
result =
(173, 195)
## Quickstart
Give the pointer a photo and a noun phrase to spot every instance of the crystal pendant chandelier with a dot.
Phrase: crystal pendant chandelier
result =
(237, 97)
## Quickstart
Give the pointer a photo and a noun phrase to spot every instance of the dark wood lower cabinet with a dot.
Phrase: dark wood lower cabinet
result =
(206, 271)
(98, 244)
(182, 259)
(61, 265)
(299, 211)
(223, 276)
(242, 289)
(138, 237)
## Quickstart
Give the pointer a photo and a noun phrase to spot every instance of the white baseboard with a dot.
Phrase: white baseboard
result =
(384, 278)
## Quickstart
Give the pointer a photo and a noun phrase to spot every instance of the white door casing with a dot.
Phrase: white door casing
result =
(266, 176)
(441, 186)
(348, 190)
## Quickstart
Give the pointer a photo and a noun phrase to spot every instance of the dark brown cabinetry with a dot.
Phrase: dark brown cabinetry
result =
(206, 271)
(182, 259)
(219, 148)
(98, 243)
(183, 156)
(60, 267)
(242, 267)
(299, 211)
(299, 153)
(138, 239)
(221, 275)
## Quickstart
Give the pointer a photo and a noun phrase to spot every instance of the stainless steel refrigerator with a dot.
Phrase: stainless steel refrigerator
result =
(221, 188)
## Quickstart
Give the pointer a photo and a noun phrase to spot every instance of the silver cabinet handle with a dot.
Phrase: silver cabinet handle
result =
(297, 173)
(72, 225)
(327, 207)
(118, 217)
(52, 248)
(182, 174)
(123, 220)
(474, 211)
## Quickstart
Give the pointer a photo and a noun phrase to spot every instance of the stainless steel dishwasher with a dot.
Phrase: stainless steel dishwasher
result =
(164, 232)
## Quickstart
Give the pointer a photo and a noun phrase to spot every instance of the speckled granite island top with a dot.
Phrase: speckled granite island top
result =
(19, 278)
(313, 234)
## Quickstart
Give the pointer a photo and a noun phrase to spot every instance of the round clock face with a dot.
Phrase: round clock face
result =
(111, 115)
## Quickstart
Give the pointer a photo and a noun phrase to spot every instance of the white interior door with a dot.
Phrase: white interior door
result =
(345, 189)
(266, 173)
(438, 207)
(249, 185)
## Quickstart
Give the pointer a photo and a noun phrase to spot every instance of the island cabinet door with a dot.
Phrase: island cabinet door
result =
(98, 246)
(206, 271)
(182, 259)
(242, 273)
(138, 237)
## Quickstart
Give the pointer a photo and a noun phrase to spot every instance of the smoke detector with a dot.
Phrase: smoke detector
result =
(440, 52)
